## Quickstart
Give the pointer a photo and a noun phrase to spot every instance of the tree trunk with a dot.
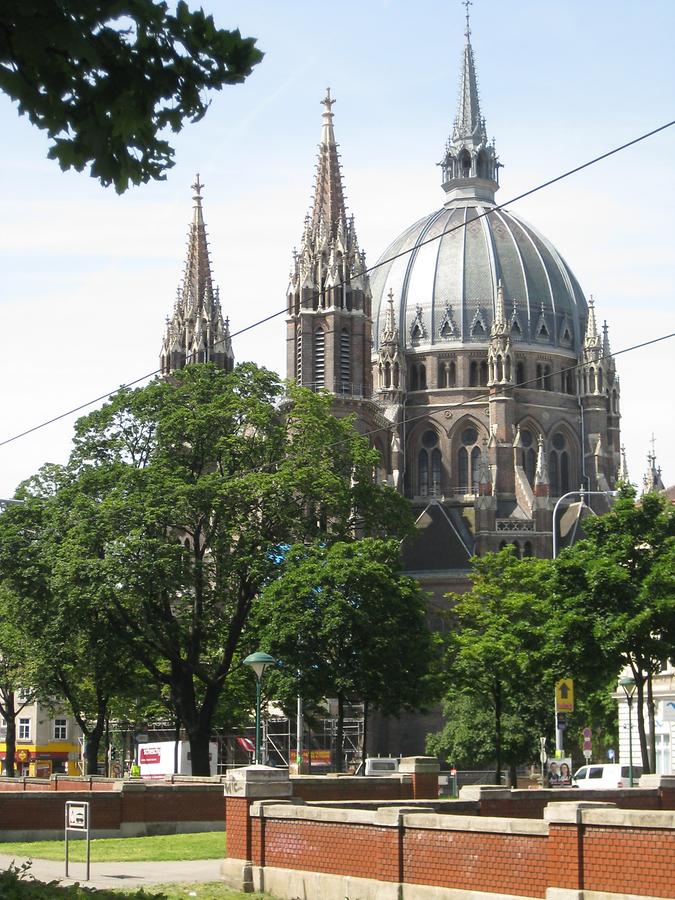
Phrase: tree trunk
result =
(640, 715)
(364, 745)
(339, 734)
(199, 751)
(92, 742)
(10, 739)
(651, 716)
(498, 731)
(513, 775)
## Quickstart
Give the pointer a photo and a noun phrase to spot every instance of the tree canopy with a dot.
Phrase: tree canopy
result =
(619, 582)
(347, 624)
(105, 79)
(171, 516)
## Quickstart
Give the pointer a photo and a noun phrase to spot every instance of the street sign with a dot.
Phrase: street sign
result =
(77, 819)
(564, 695)
(610, 753)
(587, 754)
(561, 719)
(588, 745)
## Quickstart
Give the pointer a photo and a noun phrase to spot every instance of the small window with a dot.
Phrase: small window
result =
(60, 730)
(595, 772)
(24, 729)
(582, 773)
(429, 439)
(469, 435)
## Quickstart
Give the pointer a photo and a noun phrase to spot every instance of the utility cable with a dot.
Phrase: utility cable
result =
(366, 271)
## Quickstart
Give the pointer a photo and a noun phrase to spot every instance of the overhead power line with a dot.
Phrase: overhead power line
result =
(368, 270)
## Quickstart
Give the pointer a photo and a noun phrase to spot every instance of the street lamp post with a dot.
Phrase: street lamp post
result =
(258, 662)
(580, 493)
(628, 685)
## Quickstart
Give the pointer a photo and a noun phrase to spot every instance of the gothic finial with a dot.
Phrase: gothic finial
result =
(467, 4)
(197, 187)
(328, 102)
(541, 471)
(623, 467)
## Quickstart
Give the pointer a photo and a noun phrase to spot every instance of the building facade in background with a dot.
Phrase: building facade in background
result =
(48, 742)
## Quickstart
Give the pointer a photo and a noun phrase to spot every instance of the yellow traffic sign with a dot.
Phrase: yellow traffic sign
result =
(564, 695)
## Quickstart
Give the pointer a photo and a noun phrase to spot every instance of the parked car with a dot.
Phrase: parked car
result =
(605, 775)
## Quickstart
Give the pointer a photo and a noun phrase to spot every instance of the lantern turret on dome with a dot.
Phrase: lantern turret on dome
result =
(470, 166)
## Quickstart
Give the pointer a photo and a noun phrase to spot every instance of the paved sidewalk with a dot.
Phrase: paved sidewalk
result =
(120, 874)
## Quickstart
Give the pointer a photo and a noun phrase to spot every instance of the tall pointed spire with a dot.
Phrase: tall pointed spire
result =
(328, 210)
(541, 477)
(390, 329)
(591, 338)
(468, 121)
(196, 332)
(652, 481)
(469, 165)
(329, 300)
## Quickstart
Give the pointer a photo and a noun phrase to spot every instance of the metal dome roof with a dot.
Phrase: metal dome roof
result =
(445, 290)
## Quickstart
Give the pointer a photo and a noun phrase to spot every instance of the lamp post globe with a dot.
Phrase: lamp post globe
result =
(627, 684)
(258, 661)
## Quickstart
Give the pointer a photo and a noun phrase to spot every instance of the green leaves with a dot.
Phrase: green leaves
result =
(105, 79)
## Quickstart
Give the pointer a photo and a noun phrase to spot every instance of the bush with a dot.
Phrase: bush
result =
(16, 883)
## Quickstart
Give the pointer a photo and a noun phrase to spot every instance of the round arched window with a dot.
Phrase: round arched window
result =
(559, 441)
(526, 438)
(429, 439)
(469, 436)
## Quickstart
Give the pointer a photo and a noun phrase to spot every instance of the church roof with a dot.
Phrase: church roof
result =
(461, 270)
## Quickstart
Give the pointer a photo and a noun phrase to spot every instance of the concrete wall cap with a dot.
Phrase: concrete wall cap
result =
(658, 781)
(571, 812)
(393, 815)
(492, 824)
(313, 813)
(481, 791)
(260, 782)
(419, 764)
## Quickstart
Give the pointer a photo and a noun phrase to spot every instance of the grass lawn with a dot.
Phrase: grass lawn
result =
(201, 845)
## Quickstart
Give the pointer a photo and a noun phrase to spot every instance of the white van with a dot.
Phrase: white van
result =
(605, 775)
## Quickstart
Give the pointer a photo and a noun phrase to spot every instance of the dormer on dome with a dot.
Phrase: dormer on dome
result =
(470, 165)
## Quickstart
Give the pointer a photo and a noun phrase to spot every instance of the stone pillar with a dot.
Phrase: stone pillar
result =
(242, 788)
(665, 785)
(424, 771)
(565, 859)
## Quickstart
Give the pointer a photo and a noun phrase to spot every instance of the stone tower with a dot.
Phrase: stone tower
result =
(196, 331)
(329, 328)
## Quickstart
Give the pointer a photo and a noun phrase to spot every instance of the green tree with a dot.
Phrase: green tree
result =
(105, 78)
(49, 554)
(347, 624)
(181, 494)
(620, 584)
(501, 666)
(16, 676)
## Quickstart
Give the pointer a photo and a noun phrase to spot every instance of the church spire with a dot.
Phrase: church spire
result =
(469, 165)
(591, 339)
(468, 121)
(196, 332)
(652, 481)
(328, 209)
(390, 329)
(623, 475)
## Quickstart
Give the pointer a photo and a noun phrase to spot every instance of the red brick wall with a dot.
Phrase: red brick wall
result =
(324, 787)
(629, 861)
(478, 861)
(238, 827)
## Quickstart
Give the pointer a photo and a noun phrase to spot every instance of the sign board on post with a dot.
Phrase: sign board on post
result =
(564, 696)
(77, 819)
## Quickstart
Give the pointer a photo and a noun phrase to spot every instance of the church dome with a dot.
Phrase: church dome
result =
(444, 283)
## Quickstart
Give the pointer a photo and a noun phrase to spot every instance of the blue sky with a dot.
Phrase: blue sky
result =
(88, 277)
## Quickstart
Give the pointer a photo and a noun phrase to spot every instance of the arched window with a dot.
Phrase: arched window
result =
(465, 164)
(527, 549)
(529, 454)
(615, 402)
(475, 469)
(560, 474)
(516, 546)
(429, 465)
(481, 166)
(548, 379)
(442, 375)
(599, 381)
(387, 375)
(423, 377)
(520, 373)
(591, 381)
(396, 375)
(483, 374)
(473, 374)
(319, 358)
(500, 369)
(452, 375)
(468, 461)
(414, 380)
(345, 361)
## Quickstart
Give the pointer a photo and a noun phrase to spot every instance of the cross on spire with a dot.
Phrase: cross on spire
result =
(197, 188)
(467, 4)
(328, 101)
